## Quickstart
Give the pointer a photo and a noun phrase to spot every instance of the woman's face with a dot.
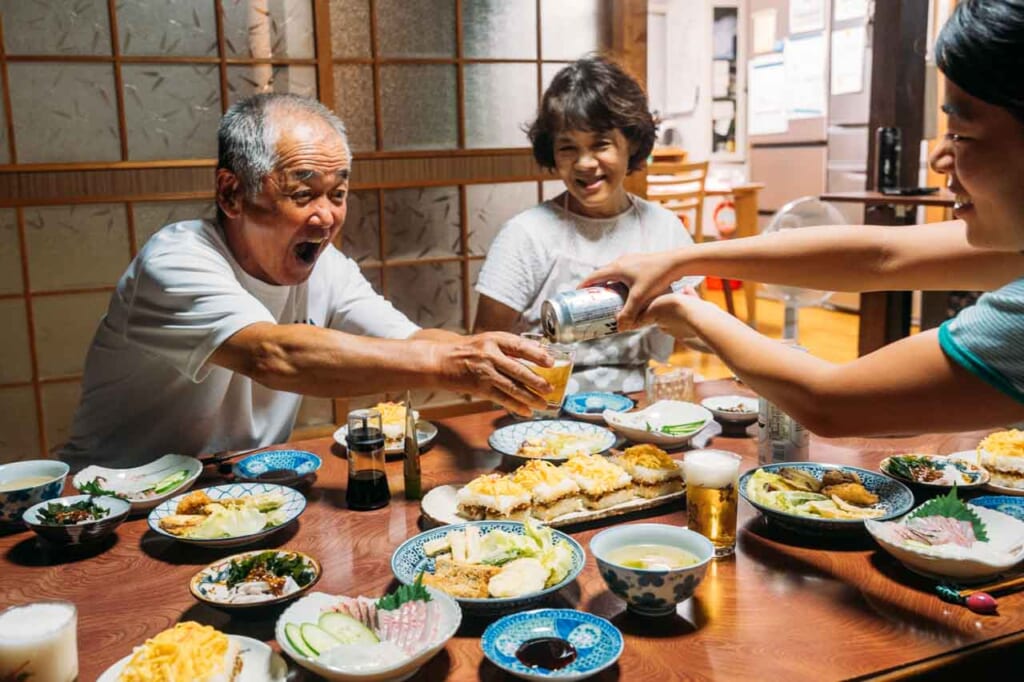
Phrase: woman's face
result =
(593, 166)
(982, 156)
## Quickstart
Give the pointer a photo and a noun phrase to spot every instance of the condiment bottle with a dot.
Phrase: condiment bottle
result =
(367, 479)
(411, 466)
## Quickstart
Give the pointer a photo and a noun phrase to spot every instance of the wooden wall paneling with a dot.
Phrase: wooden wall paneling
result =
(115, 51)
(8, 113)
(897, 99)
(324, 52)
(629, 46)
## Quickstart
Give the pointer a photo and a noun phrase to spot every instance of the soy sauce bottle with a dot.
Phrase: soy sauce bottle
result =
(367, 480)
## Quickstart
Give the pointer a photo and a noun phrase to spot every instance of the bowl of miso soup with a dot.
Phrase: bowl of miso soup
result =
(652, 566)
(24, 484)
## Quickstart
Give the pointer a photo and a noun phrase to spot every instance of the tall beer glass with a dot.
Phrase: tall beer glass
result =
(557, 375)
(712, 496)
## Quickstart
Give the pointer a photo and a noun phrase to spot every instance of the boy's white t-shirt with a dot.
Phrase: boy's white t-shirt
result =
(149, 389)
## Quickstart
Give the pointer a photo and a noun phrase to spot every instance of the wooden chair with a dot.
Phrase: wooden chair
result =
(679, 187)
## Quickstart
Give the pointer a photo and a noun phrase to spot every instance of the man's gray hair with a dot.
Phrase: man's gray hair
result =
(247, 135)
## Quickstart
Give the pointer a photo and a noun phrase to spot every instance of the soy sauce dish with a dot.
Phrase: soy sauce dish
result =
(552, 644)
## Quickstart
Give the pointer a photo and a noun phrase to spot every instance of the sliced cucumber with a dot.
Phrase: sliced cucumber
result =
(294, 635)
(346, 629)
(317, 639)
(171, 482)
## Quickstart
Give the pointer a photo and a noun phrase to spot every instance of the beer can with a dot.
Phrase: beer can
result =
(583, 314)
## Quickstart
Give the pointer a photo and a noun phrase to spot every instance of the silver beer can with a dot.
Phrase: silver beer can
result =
(583, 314)
(780, 438)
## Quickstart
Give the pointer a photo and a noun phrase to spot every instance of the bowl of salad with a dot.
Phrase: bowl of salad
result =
(262, 577)
(143, 487)
(76, 519)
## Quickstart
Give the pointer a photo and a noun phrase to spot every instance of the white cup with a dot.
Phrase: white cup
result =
(40, 642)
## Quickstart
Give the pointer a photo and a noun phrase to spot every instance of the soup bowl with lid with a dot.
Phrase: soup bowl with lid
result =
(655, 588)
(25, 484)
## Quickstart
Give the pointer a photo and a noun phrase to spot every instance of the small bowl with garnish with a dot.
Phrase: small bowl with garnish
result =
(935, 472)
(666, 423)
(254, 579)
(552, 644)
(144, 487)
(76, 519)
(733, 410)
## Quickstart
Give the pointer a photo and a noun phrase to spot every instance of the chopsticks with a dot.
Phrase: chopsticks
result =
(979, 598)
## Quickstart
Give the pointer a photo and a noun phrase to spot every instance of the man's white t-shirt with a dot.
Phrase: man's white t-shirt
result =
(149, 389)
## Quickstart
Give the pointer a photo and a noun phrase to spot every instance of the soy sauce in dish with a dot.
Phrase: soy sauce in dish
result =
(552, 653)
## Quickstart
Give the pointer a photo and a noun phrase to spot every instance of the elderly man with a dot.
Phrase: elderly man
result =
(215, 331)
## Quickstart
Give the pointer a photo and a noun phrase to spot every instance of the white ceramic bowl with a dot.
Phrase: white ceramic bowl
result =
(732, 409)
(78, 533)
(14, 503)
(308, 610)
(130, 482)
(981, 561)
(644, 426)
(652, 592)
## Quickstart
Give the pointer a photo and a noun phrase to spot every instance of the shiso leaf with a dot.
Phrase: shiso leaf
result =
(952, 507)
(414, 592)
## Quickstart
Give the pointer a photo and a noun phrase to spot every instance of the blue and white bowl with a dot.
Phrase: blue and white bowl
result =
(652, 592)
(895, 498)
(294, 504)
(14, 503)
(79, 533)
(590, 406)
(409, 560)
(507, 439)
(1007, 504)
(287, 467)
(598, 643)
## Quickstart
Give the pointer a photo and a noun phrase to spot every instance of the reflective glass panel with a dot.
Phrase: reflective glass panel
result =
(570, 29)
(263, 29)
(172, 110)
(249, 80)
(490, 206)
(64, 112)
(416, 28)
(422, 222)
(64, 327)
(499, 29)
(168, 27)
(350, 28)
(76, 246)
(10, 253)
(418, 106)
(151, 216)
(79, 27)
(19, 428)
(353, 103)
(429, 294)
(360, 236)
(500, 100)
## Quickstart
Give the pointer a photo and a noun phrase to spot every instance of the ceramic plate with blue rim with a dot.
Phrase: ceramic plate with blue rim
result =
(293, 506)
(589, 406)
(277, 465)
(507, 439)
(895, 499)
(597, 642)
(1007, 504)
(409, 560)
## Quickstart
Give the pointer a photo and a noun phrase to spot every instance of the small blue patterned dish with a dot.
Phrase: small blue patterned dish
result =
(287, 467)
(597, 642)
(895, 499)
(1007, 504)
(409, 560)
(507, 439)
(590, 406)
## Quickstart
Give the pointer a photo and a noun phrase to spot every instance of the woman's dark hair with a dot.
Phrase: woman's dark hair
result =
(981, 50)
(593, 94)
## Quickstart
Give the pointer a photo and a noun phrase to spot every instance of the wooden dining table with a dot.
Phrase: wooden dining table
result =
(784, 607)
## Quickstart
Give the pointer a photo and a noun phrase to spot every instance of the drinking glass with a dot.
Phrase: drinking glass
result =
(668, 382)
(712, 496)
(557, 375)
(39, 642)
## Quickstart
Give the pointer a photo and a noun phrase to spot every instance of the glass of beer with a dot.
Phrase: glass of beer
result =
(712, 496)
(557, 375)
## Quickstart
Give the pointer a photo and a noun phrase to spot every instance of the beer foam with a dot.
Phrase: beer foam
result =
(711, 468)
(34, 620)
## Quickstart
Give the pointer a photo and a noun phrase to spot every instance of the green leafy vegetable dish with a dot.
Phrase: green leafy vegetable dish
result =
(58, 514)
(934, 470)
(267, 576)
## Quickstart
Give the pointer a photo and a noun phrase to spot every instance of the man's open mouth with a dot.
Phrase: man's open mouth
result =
(307, 251)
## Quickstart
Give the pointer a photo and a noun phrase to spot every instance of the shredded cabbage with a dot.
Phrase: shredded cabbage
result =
(500, 547)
